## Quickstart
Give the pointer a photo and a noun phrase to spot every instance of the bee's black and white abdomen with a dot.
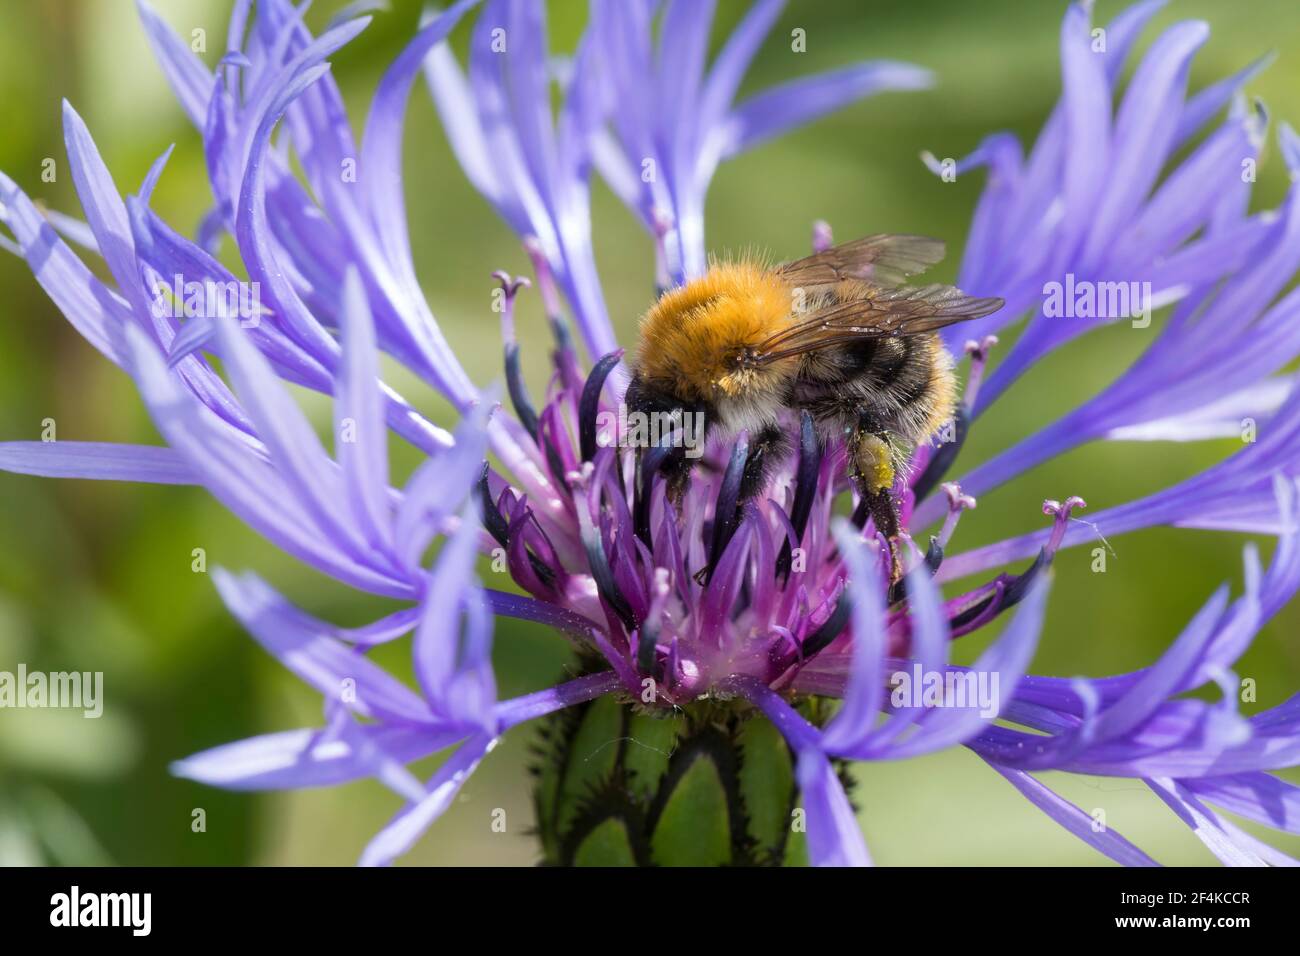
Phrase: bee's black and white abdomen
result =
(901, 385)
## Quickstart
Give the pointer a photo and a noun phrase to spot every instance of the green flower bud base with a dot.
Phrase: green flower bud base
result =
(708, 785)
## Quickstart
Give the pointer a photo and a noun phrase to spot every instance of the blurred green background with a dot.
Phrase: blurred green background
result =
(98, 577)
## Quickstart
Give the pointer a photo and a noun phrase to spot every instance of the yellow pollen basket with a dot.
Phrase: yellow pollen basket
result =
(874, 463)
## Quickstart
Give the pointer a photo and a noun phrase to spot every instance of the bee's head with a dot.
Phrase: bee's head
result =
(738, 375)
(648, 396)
(696, 338)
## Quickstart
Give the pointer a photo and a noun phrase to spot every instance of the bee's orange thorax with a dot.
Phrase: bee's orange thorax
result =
(692, 335)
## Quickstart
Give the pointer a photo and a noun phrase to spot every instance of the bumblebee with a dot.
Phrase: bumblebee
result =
(837, 334)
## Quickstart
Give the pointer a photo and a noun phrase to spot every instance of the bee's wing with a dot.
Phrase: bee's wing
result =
(910, 310)
(885, 260)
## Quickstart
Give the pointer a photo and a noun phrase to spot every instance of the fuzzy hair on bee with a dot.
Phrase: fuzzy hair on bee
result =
(837, 335)
(692, 340)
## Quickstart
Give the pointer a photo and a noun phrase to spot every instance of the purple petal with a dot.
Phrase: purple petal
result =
(387, 628)
(1123, 32)
(929, 648)
(302, 644)
(253, 231)
(73, 229)
(453, 642)
(1075, 820)
(1222, 839)
(1201, 108)
(105, 211)
(1165, 677)
(834, 837)
(1238, 493)
(438, 487)
(95, 311)
(531, 706)
(684, 46)
(361, 438)
(1221, 418)
(865, 692)
(381, 151)
(404, 829)
(231, 467)
(190, 80)
(104, 461)
(776, 111)
(529, 93)
(734, 59)
(1144, 131)
(308, 758)
(1005, 663)
(296, 450)
(455, 103)
(1261, 797)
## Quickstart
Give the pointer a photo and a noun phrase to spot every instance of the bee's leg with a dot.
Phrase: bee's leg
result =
(676, 470)
(871, 466)
(766, 449)
(672, 459)
(674, 463)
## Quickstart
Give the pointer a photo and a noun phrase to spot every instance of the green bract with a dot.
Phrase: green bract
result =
(709, 785)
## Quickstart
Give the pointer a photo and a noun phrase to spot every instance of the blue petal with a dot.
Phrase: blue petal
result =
(834, 837)
(233, 468)
(865, 691)
(404, 829)
(776, 111)
(301, 758)
(453, 641)
(301, 644)
(360, 436)
(103, 461)
(1075, 820)
(94, 310)
(190, 80)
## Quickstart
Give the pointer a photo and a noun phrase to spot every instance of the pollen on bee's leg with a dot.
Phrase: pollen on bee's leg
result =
(881, 507)
(678, 482)
(872, 467)
(873, 463)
